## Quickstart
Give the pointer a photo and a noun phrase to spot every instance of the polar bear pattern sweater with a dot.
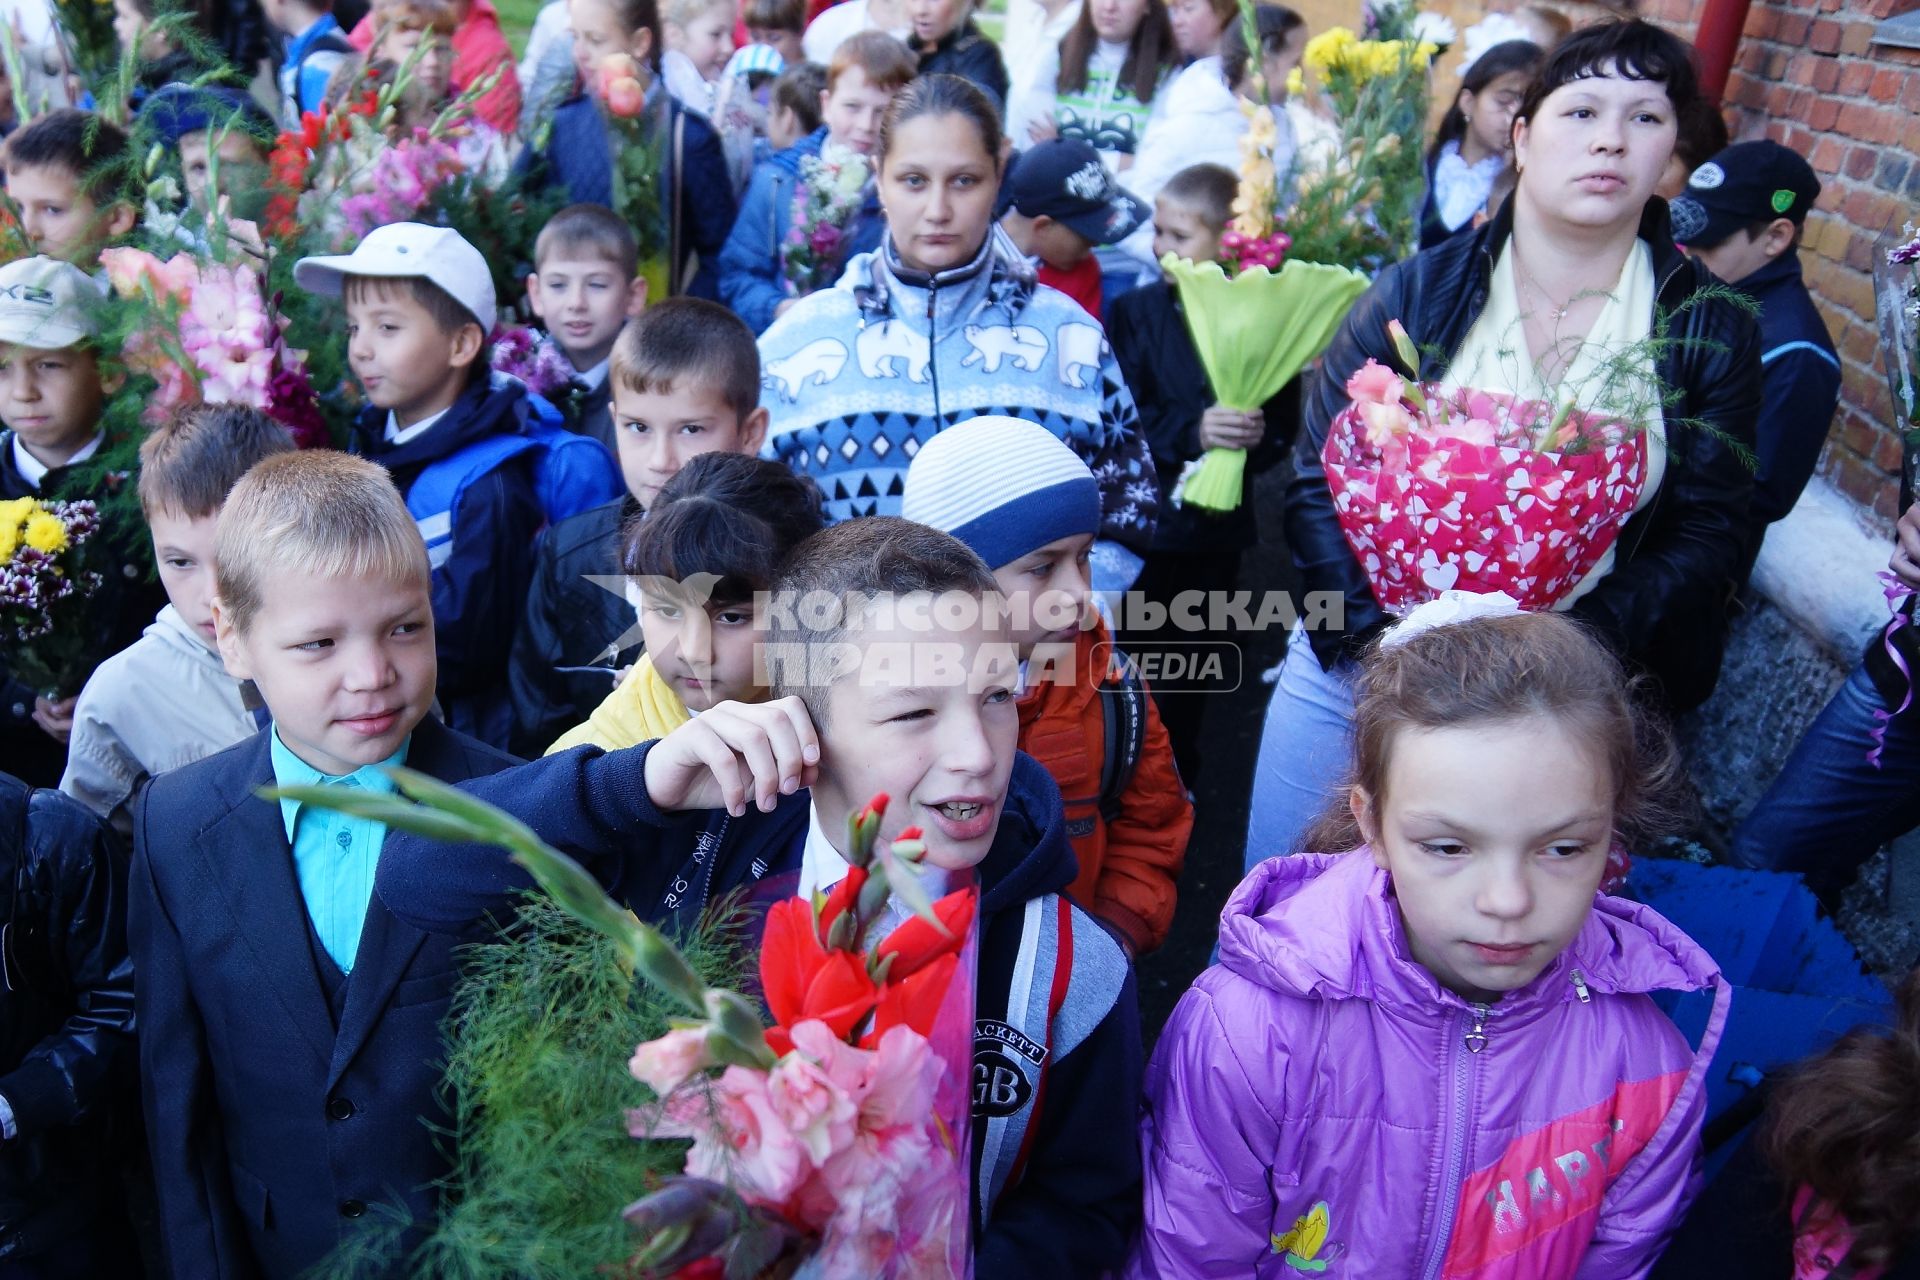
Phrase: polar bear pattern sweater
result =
(856, 378)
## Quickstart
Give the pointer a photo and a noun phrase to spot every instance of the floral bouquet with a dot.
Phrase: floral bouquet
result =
(1255, 321)
(45, 586)
(205, 334)
(831, 1144)
(638, 148)
(831, 189)
(532, 357)
(1440, 489)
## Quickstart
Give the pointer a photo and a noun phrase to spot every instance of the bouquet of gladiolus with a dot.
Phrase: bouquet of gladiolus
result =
(206, 335)
(1440, 489)
(44, 589)
(830, 191)
(831, 1144)
(638, 148)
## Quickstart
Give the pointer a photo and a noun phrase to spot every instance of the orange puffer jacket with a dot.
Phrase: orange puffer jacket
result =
(1129, 866)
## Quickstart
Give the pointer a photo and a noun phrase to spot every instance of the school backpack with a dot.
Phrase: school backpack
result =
(1123, 726)
(570, 474)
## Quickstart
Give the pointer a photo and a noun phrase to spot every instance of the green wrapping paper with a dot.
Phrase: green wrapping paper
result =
(1254, 332)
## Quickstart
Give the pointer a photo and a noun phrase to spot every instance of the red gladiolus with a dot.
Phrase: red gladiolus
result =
(876, 807)
(911, 833)
(840, 900)
(802, 980)
(917, 943)
(913, 1003)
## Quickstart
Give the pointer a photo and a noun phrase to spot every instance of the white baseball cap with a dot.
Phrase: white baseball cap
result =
(46, 304)
(400, 249)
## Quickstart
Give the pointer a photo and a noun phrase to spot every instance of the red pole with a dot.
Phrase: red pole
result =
(1718, 40)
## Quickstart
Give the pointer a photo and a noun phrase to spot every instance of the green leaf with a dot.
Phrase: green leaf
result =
(399, 814)
(904, 882)
(506, 829)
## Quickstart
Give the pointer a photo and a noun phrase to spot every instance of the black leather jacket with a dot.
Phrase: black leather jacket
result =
(66, 1017)
(1679, 559)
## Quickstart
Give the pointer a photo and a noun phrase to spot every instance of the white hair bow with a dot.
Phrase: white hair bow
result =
(1448, 608)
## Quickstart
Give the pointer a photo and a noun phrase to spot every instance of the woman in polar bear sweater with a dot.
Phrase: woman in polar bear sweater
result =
(942, 323)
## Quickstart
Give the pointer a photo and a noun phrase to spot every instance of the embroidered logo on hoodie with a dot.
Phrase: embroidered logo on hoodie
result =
(1302, 1247)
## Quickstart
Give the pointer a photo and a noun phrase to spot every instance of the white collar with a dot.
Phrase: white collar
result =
(595, 376)
(33, 471)
(397, 434)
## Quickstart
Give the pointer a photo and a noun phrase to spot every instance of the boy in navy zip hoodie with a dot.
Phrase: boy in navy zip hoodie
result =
(908, 691)
(420, 306)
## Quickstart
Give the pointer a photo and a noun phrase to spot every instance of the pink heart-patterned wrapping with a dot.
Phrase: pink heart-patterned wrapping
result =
(1478, 516)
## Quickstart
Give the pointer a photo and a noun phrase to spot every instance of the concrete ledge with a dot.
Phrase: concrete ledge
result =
(1818, 567)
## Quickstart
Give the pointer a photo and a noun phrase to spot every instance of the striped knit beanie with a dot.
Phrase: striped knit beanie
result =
(1002, 486)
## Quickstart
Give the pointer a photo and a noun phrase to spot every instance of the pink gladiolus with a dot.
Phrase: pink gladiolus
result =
(663, 1064)
(738, 1139)
(1374, 383)
(1473, 431)
(1384, 422)
(812, 1104)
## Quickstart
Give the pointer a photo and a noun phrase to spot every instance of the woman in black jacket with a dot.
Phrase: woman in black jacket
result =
(949, 43)
(1591, 140)
(66, 1038)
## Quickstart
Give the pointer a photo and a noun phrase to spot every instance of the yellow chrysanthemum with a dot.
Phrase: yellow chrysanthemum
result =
(14, 513)
(45, 532)
(1325, 51)
(1296, 83)
(9, 541)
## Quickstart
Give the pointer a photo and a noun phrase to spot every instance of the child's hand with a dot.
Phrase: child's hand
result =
(735, 754)
(55, 717)
(1906, 548)
(1224, 428)
(1043, 130)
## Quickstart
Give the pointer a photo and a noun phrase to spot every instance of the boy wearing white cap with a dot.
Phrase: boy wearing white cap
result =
(468, 449)
(1022, 500)
(51, 399)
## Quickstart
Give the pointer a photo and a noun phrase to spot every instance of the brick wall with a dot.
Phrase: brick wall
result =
(1808, 74)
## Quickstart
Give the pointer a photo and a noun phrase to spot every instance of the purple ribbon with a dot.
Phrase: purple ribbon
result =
(1897, 593)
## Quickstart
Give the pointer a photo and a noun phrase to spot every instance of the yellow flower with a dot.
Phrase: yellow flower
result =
(46, 532)
(1296, 83)
(14, 513)
(1326, 50)
(9, 542)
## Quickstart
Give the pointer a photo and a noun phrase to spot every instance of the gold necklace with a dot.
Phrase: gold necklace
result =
(1559, 313)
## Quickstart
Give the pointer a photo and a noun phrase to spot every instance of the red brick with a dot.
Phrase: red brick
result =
(1854, 78)
(1861, 161)
(1858, 343)
(1827, 155)
(1857, 38)
(1887, 452)
(1887, 84)
(1825, 75)
(1792, 29)
(1823, 35)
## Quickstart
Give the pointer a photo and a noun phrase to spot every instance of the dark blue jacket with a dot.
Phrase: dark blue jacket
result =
(1802, 387)
(279, 1107)
(751, 281)
(967, 53)
(580, 163)
(1057, 1170)
(480, 589)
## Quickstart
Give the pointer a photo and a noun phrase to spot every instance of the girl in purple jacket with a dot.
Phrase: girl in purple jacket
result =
(1436, 1055)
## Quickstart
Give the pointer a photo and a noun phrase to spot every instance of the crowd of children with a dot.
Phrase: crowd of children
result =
(912, 354)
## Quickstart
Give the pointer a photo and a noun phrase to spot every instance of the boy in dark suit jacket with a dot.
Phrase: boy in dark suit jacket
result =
(291, 1043)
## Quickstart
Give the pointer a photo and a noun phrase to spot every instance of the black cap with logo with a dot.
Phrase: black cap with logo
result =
(1065, 180)
(1746, 183)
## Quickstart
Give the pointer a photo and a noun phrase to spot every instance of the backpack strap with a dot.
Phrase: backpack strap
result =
(433, 500)
(1123, 723)
(676, 190)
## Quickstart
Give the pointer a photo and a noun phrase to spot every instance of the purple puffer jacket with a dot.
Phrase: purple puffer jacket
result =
(1319, 1104)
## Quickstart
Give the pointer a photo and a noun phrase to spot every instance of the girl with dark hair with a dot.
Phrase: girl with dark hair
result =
(1098, 84)
(1433, 1049)
(697, 201)
(1567, 276)
(695, 562)
(1473, 147)
(944, 322)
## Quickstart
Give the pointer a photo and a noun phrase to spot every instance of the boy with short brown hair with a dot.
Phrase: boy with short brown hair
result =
(67, 174)
(585, 285)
